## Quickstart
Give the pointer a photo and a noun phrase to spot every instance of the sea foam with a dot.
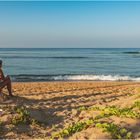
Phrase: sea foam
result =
(96, 77)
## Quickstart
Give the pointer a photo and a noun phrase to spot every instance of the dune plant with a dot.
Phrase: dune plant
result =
(121, 112)
(22, 116)
(76, 127)
(115, 131)
(136, 105)
(116, 111)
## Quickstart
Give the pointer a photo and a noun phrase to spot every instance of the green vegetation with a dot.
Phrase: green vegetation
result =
(138, 95)
(121, 112)
(79, 126)
(69, 130)
(130, 94)
(115, 131)
(136, 105)
(22, 116)
(116, 111)
(138, 92)
(138, 89)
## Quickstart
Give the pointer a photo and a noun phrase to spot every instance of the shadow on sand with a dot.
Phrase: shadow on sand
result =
(52, 111)
(44, 115)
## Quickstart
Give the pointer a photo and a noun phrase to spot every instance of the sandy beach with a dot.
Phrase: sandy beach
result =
(53, 110)
(70, 70)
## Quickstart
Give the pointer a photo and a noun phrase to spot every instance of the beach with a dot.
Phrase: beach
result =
(59, 110)
(74, 67)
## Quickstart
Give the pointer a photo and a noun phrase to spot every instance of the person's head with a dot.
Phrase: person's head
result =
(0, 63)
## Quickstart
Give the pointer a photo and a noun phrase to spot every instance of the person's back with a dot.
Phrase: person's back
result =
(5, 81)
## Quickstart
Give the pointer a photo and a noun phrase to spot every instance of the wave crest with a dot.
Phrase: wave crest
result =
(74, 78)
(97, 78)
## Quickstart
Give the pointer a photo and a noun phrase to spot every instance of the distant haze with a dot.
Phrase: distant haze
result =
(70, 24)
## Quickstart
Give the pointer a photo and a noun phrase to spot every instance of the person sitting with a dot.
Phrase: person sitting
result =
(5, 81)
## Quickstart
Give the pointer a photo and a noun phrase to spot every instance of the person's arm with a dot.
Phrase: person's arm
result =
(2, 77)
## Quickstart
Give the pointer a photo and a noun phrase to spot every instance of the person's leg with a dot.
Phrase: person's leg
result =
(7, 82)
(9, 86)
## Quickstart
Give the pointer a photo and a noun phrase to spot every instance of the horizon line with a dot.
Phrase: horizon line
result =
(69, 48)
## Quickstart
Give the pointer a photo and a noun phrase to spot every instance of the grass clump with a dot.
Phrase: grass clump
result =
(82, 108)
(76, 127)
(115, 131)
(116, 111)
(121, 112)
(69, 130)
(136, 105)
(22, 116)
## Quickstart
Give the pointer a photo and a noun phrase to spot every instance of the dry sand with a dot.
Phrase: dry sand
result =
(55, 105)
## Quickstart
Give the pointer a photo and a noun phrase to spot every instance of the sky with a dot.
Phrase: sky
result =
(70, 24)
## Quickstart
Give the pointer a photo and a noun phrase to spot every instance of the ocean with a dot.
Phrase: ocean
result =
(64, 64)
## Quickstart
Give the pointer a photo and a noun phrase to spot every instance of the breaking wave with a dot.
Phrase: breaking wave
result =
(73, 78)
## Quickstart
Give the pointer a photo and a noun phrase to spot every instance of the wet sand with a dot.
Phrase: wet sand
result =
(55, 106)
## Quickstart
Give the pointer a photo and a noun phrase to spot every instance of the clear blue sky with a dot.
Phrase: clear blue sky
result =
(70, 24)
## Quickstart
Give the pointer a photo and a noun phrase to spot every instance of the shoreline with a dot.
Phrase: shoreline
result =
(73, 77)
(75, 81)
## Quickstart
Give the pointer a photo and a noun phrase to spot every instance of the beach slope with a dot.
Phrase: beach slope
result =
(72, 110)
